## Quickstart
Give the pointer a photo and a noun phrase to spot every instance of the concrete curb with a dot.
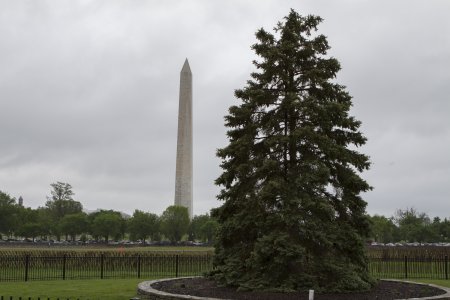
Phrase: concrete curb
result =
(145, 289)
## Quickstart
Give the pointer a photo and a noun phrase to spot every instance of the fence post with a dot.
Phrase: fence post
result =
(176, 265)
(101, 265)
(446, 267)
(139, 266)
(64, 267)
(27, 264)
(406, 267)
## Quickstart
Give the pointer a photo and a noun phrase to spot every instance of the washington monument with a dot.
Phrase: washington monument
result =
(183, 175)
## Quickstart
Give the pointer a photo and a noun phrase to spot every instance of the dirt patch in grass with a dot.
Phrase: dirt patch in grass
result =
(384, 290)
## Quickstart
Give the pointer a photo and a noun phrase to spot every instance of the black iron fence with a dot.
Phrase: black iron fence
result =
(52, 267)
(410, 267)
(29, 267)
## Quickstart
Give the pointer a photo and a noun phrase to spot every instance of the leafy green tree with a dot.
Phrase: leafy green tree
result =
(107, 224)
(60, 204)
(73, 225)
(45, 222)
(61, 191)
(29, 226)
(8, 214)
(175, 222)
(444, 230)
(382, 229)
(30, 230)
(436, 234)
(202, 228)
(209, 230)
(292, 217)
(195, 232)
(143, 225)
(90, 220)
(414, 226)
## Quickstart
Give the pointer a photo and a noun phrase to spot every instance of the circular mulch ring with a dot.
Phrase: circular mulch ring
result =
(202, 287)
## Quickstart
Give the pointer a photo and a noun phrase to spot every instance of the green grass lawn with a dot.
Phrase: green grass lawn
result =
(440, 282)
(113, 289)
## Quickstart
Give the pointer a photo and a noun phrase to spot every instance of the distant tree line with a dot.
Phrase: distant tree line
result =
(411, 226)
(63, 218)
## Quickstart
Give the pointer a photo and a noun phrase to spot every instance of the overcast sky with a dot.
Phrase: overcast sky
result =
(89, 94)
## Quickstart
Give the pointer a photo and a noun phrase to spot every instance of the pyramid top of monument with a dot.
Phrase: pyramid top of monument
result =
(186, 68)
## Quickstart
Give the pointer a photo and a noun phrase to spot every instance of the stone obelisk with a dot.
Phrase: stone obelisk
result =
(183, 175)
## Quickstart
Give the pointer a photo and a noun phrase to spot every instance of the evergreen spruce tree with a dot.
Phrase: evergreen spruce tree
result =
(292, 216)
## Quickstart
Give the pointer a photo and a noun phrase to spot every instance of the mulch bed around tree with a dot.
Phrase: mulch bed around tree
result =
(385, 290)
